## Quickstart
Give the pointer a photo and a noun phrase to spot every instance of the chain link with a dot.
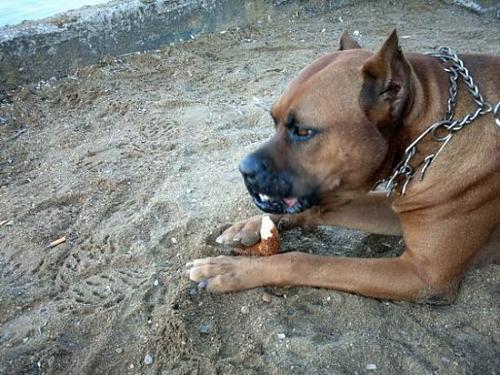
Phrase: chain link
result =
(443, 130)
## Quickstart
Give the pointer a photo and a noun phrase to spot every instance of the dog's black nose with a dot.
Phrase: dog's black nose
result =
(252, 165)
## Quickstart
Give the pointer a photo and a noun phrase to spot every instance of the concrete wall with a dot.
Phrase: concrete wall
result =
(53, 47)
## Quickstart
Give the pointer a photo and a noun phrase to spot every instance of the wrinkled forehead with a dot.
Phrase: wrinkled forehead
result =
(331, 83)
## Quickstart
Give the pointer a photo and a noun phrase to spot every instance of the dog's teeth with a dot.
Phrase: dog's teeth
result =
(264, 197)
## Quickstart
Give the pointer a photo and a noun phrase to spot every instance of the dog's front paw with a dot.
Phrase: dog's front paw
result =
(224, 274)
(246, 233)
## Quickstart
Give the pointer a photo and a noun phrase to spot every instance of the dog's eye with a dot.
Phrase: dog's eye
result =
(301, 134)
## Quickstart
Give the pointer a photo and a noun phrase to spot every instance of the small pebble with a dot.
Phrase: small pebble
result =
(267, 298)
(148, 359)
(245, 310)
(173, 239)
(204, 328)
(281, 336)
(371, 366)
(6, 336)
(131, 365)
(156, 282)
(119, 350)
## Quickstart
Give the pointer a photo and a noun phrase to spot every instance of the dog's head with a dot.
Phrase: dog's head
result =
(333, 125)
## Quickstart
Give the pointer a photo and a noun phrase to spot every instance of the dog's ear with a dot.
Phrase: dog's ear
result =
(347, 42)
(385, 93)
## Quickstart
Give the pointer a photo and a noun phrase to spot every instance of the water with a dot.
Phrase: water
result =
(14, 11)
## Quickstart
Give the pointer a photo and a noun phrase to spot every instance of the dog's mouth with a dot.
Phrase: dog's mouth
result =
(273, 205)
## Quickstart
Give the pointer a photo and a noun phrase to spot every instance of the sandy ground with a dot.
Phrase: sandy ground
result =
(135, 162)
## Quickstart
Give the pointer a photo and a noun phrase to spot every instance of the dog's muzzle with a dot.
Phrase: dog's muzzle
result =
(272, 191)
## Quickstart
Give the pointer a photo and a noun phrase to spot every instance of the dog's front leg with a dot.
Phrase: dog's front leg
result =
(370, 213)
(393, 278)
(246, 232)
(439, 250)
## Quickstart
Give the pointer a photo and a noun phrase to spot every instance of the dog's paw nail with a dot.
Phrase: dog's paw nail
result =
(202, 284)
(237, 237)
(220, 239)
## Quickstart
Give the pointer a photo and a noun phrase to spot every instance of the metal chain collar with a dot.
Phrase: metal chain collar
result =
(443, 130)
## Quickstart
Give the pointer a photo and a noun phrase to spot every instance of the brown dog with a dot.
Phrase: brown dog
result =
(342, 125)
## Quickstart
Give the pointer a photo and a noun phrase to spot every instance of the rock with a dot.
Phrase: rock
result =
(245, 310)
(281, 336)
(266, 297)
(148, 359)
(6, 336)
(371, 366)
(119, 350)
(205, 328)
(470, 5)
